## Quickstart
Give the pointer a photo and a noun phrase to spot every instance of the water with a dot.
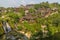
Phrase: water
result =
(6, 27)
(11, 34)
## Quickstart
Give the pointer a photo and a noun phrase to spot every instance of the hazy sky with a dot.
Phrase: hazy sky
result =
(15, 3)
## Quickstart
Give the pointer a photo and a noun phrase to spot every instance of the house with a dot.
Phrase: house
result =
(3, 10)
(9, 9)
(16, 10)
(30, 6)
(45, 12)
(28, 18)
(26, 11)
(48, 12)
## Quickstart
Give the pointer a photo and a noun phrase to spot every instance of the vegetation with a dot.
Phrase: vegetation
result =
(41, 20)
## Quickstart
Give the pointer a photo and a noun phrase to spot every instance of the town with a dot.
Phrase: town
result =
(35, 21)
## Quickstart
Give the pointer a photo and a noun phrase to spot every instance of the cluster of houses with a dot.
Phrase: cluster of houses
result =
(44, 12)
(30, 17)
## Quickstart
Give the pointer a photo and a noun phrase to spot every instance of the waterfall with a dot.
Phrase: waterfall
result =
(9, 33)
(6, 27)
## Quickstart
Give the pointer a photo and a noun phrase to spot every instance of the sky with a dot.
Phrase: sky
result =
(16, 3)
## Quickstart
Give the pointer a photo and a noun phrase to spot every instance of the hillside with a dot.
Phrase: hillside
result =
(36, 21)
